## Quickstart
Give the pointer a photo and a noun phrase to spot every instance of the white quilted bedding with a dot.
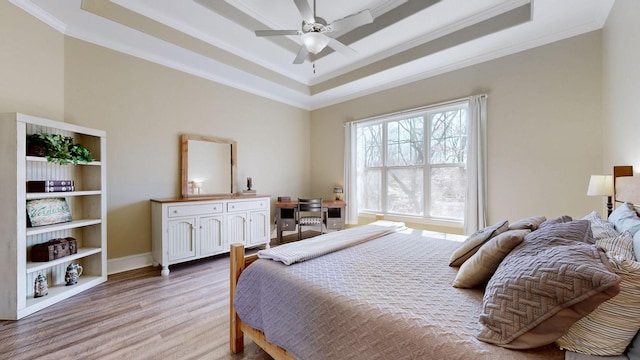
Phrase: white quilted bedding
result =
(298, 251)
(388, 298)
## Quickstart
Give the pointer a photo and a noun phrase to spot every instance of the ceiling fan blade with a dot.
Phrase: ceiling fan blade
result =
(276, 32)
(341, 48)
(302, 55)
(351, 22)
(305, 11)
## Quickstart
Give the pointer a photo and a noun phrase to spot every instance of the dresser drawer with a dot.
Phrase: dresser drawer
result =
(287, 224)
(247, 205)
(335, 223)
(200, 209)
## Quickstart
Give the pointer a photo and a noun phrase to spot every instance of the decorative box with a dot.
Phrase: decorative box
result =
(54, 249)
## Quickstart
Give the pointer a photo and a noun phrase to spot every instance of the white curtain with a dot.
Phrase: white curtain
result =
(476, 204)
(350, 171)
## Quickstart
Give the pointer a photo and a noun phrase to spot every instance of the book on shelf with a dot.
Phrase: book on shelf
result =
(50, 186)
(48, 189)
(248, 192)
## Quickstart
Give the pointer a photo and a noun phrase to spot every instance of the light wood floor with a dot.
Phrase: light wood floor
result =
(135, 315)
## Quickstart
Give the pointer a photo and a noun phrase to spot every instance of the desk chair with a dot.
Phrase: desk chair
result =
(312, 209)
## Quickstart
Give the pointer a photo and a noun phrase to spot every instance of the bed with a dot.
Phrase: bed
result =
(391, 296)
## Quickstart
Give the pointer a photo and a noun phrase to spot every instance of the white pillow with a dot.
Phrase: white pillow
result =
(600, 228)
(610, 328)
(622, 245)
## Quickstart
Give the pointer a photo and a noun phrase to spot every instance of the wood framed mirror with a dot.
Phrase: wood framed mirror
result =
(208, 166)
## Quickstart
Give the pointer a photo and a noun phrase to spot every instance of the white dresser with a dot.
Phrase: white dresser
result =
(189, 229)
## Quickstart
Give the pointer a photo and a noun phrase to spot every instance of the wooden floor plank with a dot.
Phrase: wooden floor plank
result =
(137, 314)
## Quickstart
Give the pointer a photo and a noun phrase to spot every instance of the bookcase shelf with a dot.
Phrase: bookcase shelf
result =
(87, 205)
(58, 293)
(43, 159)
(37, 195)
(62, 226)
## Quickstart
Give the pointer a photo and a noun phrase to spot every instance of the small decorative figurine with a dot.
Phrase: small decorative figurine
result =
(40, 287)
(73, 272)
(249, 183)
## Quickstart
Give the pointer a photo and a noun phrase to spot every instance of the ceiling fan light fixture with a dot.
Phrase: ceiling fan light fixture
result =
(315, 41)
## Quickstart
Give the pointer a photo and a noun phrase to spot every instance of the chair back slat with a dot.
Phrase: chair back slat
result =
(310, 205)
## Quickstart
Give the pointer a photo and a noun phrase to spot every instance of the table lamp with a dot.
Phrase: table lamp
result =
(337, 190)
(602, 185)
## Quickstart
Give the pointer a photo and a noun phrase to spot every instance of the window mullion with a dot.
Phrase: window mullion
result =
(427, 165)
(383, 181)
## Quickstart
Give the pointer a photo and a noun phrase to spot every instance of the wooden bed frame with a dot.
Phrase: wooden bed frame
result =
(238, 262)
(237, 329)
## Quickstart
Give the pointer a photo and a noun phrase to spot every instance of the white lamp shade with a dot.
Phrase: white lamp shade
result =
(315, 41)
(600, 185)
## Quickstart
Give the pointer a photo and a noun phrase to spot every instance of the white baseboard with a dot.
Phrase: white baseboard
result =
(126, 263)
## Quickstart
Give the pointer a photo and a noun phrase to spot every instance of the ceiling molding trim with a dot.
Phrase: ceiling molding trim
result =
(379, 23)
(502, 21)
(603, 14)
(37, 12)
(215, 71)
(451, 28)
(197, 34)
(232, 13)
(137, 22)
(321, 101)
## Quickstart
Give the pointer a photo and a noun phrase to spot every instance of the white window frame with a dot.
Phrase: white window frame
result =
(426, 166)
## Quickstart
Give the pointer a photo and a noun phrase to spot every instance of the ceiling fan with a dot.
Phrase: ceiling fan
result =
(315, 30)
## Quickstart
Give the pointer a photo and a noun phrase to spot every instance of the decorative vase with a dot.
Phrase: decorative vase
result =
(40, 287)
(73, 273)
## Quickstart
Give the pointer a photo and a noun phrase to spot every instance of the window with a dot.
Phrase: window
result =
(414, 164)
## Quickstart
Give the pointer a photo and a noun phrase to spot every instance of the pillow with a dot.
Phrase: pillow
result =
(625, 218)
(539, 291)
(556, 220)
(477, 270)
(474, 241)
(530, 223)
(610, 328)
(621, 245)
(600, 228)
(576, 230)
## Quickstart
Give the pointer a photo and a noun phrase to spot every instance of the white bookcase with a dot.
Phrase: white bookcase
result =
(88, 209)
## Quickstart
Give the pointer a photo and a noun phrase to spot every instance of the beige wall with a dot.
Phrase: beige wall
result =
(32, 63)
(144, 107)
(544, 118)
(545, 111)
(621, 85)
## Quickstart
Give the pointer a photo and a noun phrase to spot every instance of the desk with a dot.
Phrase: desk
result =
(286, 215)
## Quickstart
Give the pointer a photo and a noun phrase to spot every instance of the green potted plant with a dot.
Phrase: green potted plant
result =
(57, 148)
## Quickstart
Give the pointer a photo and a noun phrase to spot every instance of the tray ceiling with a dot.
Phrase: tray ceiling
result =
(408, 40)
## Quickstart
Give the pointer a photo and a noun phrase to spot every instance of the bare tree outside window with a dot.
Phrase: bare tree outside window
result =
(414, 165)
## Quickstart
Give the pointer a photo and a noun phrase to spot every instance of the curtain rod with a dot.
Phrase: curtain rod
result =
(414, 109)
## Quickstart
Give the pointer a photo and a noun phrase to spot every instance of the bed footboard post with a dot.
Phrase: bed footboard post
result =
(237, 264)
